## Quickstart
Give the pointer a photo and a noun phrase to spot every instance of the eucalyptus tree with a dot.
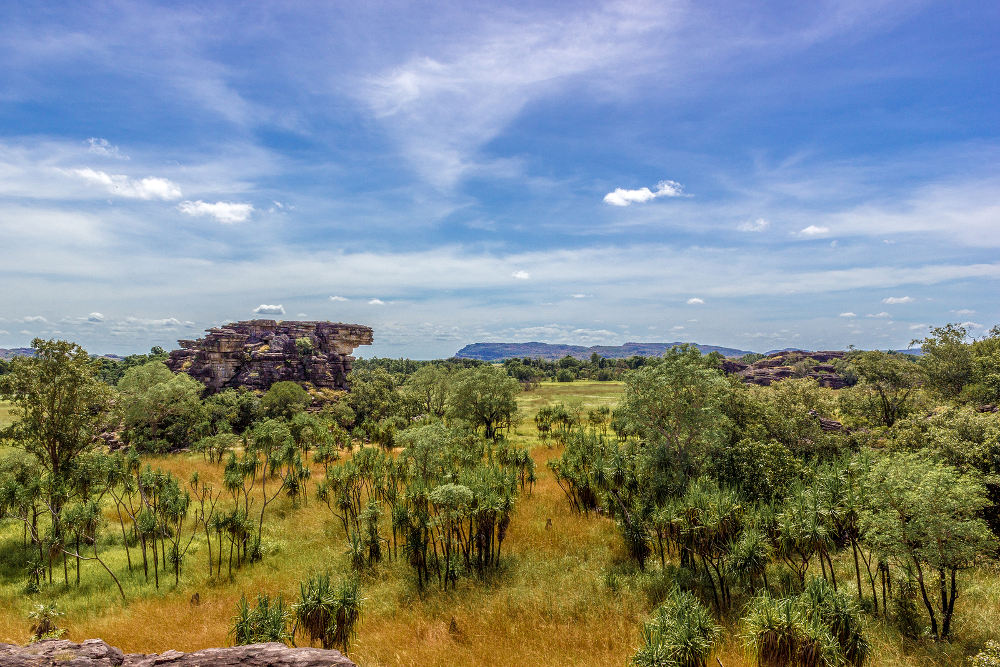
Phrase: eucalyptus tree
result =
(675, 406)
(486, 398)
(925, 515)
(886, 386)
(428, 390)
(160, 410)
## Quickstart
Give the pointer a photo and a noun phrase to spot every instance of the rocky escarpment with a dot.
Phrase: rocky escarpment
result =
(258, 353)
(96, 653)
(791, 364)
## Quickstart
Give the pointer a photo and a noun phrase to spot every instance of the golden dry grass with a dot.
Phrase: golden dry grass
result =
(551, 604)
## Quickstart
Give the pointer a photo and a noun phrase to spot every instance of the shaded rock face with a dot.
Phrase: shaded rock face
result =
(781, 366)
(258, 353)
(96, 653)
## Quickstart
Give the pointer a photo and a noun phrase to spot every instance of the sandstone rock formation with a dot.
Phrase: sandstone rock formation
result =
(258, 353)
(784, 365)
(96, 653)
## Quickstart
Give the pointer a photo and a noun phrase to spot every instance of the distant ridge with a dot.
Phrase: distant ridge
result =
(8, 354)
(555, 351)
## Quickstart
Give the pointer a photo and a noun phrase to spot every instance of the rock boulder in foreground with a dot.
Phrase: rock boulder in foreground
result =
(97, 653)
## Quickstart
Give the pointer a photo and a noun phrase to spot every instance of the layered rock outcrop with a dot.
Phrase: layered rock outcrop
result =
(258, 353)
(97, 653)
(784, 365)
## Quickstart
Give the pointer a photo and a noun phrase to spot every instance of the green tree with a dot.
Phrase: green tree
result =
(924, 515)
(160, 409)
(374, 395)
(886, 385)
(284, 400)
(428, 389)
(947, 359)
(486, 398)
(58, 406)
(676, 406)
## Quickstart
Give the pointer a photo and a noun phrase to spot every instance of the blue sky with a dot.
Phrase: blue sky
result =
(795, 174)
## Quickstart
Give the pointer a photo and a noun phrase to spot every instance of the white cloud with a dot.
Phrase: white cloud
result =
(95, 317)
(34, 319)
(123, 186)
(223, 211)
(971, 325)
(814, 230)
(695, 301)
(893, 300)
(623, 197)
(677, 327)
(915, 327)
(848, 314)
(758, 225)
(964, 311)
(521, 275)
(882, 315)
(103, 148)
(300, 315)
(579, 296)
(265, 309)
(338, 298)
(132, 323)
(376, 302)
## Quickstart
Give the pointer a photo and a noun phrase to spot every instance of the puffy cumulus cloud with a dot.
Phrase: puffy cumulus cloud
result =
(376, 302)
(34, 319)
(916, 327)
(848, 314)
(265, 309)
(133, 188)
(814, 230)
(225, 212)
(893, 300)
(95, 317)
(964, 311)
(695, 301)
(758, 225)
(883, 315)
(579, 295)
(104, 148)
(623, 197)
(521, 275)
(338, 298)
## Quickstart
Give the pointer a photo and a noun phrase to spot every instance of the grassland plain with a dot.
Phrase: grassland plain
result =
(563, 597)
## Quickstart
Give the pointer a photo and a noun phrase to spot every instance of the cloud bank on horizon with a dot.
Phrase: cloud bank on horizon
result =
(500, 173)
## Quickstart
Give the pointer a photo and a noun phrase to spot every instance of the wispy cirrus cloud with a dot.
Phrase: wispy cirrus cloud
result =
(758, 225)
(104, 148)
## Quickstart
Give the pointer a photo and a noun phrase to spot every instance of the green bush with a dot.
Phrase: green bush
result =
(266, 622)
(680, 634)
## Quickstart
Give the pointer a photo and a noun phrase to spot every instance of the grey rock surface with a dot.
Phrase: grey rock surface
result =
(97, 653)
